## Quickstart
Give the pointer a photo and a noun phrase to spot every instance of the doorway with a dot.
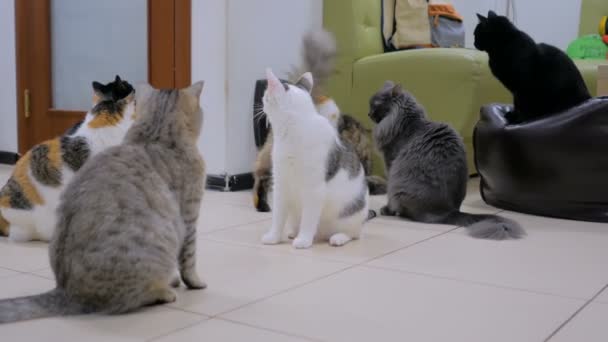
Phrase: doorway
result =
(64, 45)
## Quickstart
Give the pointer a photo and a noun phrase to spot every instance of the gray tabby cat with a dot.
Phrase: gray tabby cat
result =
(426, 167)
(127, 222)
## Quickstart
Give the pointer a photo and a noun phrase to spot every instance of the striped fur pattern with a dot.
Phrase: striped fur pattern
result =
(29, 199)
(127, 221)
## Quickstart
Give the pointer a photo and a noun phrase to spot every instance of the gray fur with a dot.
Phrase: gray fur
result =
(41, 167)
(342, 157)
(356, 205)
(13, 190)
(426, 167)
(319, 51)
(74, 151)
(128, 219)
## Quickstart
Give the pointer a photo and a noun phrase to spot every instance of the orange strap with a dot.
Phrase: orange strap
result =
(444, 10)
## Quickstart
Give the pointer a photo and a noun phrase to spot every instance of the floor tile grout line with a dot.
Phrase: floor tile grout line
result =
(349, 267)
(295, 287)
(202, 233)
(268, 329)
(569, 319)
(166, 334)
(276, 252)
(480, 283)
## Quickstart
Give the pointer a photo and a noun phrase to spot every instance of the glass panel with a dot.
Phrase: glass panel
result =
(95, 40)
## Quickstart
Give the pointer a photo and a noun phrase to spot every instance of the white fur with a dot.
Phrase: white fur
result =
(330, 110)
(39, 223)
(302, 200)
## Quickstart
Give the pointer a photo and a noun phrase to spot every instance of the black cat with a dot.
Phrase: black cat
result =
(542, 78)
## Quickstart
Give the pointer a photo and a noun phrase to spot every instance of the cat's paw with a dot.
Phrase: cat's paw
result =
(18, 234)
(302, 242)
(175, 282)
(339, 239)
(193, 282)
(271, 238)
(385, 211)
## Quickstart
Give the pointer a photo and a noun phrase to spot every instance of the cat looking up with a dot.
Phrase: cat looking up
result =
(319, 188)
(541, 77)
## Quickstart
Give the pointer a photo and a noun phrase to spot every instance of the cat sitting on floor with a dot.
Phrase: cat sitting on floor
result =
(541, 77)
(318, 54)
(29, 199)
(319, 189)
(127, 222)
(426, 166)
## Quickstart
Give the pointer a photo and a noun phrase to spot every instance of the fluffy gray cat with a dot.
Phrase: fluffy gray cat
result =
(426, 167)
(127, 222)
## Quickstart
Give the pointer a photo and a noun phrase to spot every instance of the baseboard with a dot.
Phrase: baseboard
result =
(227, 182)
(9, 158)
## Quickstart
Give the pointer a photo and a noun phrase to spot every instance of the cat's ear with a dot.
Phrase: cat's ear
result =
(274, 84)
(481, 18)
(491, 14)
(196, 89)
(388, 84)
(117, 79)
(305, 82)
(397, 90)
(97, 87)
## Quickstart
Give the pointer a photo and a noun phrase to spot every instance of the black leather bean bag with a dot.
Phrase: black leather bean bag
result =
(554, 166)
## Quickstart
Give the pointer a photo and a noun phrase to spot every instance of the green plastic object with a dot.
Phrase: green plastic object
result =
(588, 47)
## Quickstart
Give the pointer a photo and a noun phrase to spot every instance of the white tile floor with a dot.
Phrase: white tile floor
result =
(402, 282)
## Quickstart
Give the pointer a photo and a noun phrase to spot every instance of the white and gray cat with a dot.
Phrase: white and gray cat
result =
(127, 222)
(319, 188)
(426, 167)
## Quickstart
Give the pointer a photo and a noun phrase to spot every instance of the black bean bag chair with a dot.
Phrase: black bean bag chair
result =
(554, 166)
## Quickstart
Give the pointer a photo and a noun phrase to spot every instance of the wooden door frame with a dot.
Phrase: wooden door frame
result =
(169, 56)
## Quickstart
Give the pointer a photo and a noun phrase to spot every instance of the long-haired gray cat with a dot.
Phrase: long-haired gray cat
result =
(426, 167)
(127, 222)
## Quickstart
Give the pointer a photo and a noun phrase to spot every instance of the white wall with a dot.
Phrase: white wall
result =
(8, 96)
(548, 21)
(209, 64)
(261, 34)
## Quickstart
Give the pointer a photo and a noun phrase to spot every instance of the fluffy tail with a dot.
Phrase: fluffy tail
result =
(491, 227)
(52, 303)
(376, 184)
(318, 56)
(4, 225)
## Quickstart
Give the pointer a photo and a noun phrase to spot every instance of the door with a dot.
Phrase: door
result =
(64, 45)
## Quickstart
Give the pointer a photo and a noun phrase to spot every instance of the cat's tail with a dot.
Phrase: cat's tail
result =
(52, 303)
(376, 184)
(319, 52)
(491, 227)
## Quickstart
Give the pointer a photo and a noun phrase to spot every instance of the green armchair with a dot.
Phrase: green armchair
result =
(452, 84)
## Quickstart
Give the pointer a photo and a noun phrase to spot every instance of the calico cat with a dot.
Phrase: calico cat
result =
(319, 188)
(541, 77)
(127, 221)
(426, 166)
(30, 197)
(318, 53)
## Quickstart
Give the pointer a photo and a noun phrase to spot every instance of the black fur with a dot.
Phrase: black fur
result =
(74, 151)
(541, 77)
